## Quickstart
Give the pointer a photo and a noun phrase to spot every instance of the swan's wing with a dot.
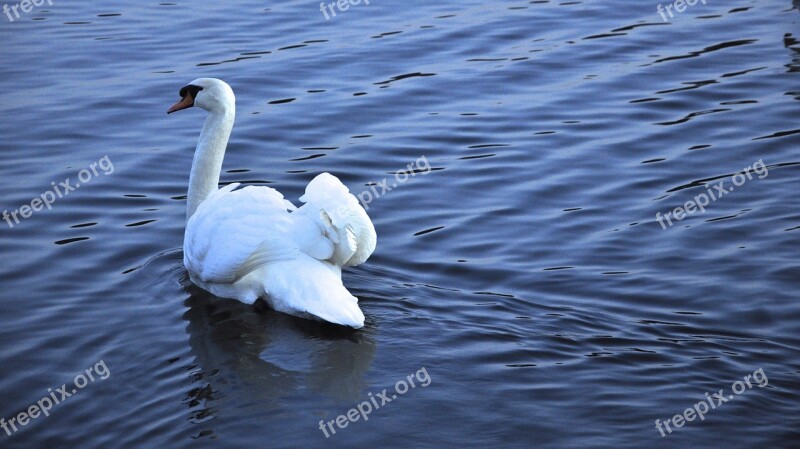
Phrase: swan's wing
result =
(344, 223)
(233, 232)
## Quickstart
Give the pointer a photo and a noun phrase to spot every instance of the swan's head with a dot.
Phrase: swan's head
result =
(211, 94)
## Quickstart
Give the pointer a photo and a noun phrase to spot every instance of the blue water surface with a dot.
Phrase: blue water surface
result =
(524, 274)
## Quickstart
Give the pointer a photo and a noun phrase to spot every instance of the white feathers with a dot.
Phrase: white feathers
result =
(232, 226)
(346, 222)
(341, 220)
(251, 243)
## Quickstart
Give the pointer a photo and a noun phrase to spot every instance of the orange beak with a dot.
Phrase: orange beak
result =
(185, 103)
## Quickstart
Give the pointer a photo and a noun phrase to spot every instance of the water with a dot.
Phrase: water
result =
(526, 272)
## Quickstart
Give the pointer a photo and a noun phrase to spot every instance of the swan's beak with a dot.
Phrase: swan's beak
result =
(185, 103)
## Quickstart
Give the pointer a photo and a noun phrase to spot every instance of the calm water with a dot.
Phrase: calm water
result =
(526, 272)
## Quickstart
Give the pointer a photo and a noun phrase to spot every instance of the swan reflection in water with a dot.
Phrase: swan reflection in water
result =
(262, 356)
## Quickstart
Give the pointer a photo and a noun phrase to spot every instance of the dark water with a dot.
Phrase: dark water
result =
(526, 272)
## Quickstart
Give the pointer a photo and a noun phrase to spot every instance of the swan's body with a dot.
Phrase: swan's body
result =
(252, 243)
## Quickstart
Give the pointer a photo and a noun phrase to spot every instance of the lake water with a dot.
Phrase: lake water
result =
(525, 278)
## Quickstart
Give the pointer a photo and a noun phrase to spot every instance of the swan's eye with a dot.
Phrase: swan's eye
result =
(193, 90)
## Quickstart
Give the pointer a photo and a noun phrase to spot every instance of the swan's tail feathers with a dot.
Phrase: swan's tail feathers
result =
(345, 222)
(306, 287)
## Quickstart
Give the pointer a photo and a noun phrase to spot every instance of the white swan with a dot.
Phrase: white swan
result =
(252, 243)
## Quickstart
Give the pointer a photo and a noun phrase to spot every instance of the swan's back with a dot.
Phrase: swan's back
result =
(251, 243)
(228, 228)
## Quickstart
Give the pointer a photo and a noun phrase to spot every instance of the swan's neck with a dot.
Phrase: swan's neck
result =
(207, 164)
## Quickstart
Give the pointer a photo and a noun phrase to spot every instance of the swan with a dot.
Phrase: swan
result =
(251, 243)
